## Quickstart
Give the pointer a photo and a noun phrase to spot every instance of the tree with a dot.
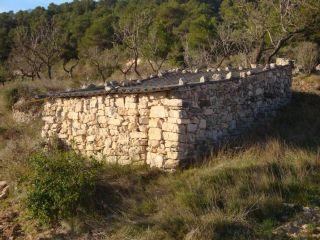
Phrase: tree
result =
(132, 28)
(201, 34)
(69, 55)
(103, 61)
(3, 74)
(266, 26)
(49, 46)
(307, 54)
(22, 60)
(294, 17)
(157, 46)
(6, 24)
(100, 33)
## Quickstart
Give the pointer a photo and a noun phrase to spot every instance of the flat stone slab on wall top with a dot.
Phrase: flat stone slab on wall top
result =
(167, 81)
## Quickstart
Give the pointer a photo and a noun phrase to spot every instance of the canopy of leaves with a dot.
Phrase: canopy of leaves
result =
(181, 32)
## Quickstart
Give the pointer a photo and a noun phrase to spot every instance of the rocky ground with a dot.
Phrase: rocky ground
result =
(305, 225)
(10, 229)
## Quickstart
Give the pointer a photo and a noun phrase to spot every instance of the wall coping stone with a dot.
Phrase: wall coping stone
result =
(167, 81)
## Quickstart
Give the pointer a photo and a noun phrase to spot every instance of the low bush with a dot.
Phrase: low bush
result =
(11, 97)
(3, 74)
(307, 54)
(61, 185)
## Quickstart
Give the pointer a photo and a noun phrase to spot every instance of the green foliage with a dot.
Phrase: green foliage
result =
(61, 185)
(307, 55)
(194, 33)
(11, 97)
(100, 33)
(3, 74)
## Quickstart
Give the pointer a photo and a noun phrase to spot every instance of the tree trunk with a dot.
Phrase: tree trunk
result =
(259, 50)
(279, 46)
(136, 64)
(283, 41)
(49, 67)
(152, 67)
(101, 73)
(221, 61)
(70, 71)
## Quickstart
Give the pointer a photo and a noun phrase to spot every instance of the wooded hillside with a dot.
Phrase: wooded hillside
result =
(115, 35)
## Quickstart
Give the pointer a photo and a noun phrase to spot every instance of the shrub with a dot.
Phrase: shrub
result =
(19, 91)
(307, 55)
(61, 185)
(11, 97)
(3, 74)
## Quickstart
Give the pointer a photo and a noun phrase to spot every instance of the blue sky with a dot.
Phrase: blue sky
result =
(16, 5)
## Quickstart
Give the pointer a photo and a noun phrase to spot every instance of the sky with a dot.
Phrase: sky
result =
(16, 5)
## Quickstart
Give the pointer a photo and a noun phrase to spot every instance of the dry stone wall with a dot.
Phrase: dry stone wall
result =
(121, 129)
(168, 128)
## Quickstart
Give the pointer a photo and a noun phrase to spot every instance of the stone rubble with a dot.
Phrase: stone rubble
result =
(4, 190)
(23, 112)
(306, 225)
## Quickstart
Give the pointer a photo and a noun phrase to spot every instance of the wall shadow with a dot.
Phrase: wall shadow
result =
(296, 125)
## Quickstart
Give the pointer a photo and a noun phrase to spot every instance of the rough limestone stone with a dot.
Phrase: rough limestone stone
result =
(155, 134)
(140, 135)
(155, 123)
(158, 112)
(115, 121)
(155, 160)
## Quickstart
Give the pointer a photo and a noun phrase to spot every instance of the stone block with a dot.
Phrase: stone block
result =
(73, 115)
(155, 160)
(170, 127)
(192, 127)
(115, 121)
(131, 99)
(93, 103)
(203, 124)
(158, 112)
(144, 120)
(131, 105)
(132, 112)
(139, 135)
(91, 138)
(48, 119)
(102, 119)
(172, 102)
(154, 143)
(143, 128)
(173, 155)
(174, 137)
(171, 164)
(79, 106)
(259, 91)
(119, 102)
(155, 134)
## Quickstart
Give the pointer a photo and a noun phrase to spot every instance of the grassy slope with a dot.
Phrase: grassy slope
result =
(238, 193)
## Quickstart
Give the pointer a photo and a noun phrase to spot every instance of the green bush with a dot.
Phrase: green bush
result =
(3, 74)
(307, 54)
(61, 185)
(19, 91)
(11, 97)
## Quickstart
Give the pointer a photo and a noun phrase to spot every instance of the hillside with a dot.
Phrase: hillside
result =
(91, 40)
(262, 186)
(265, 184)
